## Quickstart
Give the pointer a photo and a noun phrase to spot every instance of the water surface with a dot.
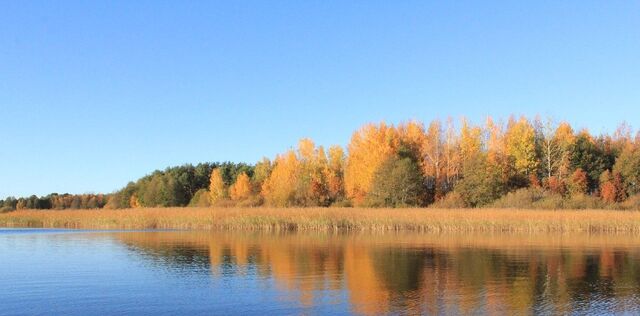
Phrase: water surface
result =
(68, 272)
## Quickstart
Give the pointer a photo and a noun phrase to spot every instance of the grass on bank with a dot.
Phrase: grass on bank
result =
(333, 219)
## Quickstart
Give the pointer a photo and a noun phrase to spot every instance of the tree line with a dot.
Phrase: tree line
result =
(528, 163)
(55, 201)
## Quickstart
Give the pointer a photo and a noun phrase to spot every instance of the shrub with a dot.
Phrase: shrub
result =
(632, 203)
(582, 201)
(201, 199)
(535, 198)
(552, 201)
(451, 200)
(342, 203)
(252, 201)
(522, 198)
(7, 209)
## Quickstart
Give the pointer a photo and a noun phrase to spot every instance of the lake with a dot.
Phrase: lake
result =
(64, 272)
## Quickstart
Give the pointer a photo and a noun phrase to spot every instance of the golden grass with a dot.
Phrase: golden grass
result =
(451, 241)
(333, 219)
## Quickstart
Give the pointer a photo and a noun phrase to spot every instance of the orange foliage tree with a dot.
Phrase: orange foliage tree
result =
(611, 187)
(578, 183)
(279, 188)
(241, 189)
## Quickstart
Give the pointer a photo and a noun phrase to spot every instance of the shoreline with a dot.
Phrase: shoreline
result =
(334, 220)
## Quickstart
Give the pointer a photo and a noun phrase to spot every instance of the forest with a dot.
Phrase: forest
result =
(521, 163)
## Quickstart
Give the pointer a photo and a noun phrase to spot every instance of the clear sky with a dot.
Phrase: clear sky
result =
(94, 94)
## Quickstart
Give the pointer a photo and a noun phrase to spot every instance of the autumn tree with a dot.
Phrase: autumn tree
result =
(434, 157)
(412, 139)
(497, 157)
(556, 185)
(564, 139)
(305, 178)
(262, 170)
(312, 187)
(217, 187)
(579, 182)
(452, 159)
(241, 189)
(521, 149)
(622, 137)
(611, 187)
(550, 148)
(588, 157)
(470, 142)
(334, 173)
(279, 188)
(369, 147)
(628, 166)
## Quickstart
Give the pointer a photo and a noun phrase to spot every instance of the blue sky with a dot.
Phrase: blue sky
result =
(94, 94)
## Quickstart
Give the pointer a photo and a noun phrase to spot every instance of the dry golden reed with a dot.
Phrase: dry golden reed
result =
(333, 219)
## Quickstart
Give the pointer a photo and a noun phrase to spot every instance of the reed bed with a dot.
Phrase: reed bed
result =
(504, 242)
(334, 219)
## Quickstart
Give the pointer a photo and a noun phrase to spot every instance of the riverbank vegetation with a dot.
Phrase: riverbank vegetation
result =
(334, 219)
(523, 163)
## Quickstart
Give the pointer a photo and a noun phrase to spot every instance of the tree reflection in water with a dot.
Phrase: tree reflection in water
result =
(429, 274)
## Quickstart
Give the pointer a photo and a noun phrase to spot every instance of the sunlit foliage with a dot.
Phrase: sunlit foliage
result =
(241, 189)
(370, 146)
(217, 187)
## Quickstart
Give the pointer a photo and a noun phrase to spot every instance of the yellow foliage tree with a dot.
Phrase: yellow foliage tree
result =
(305, 177)
(564, 138)
(433, 151)
(452, 158)
(334, 173)
(412, 137)
(521, 146)
(261, 172)
(217, 187)
(368, 149)
(280, 187)
(318, 192)
(470, 142)
(497, 157)
(312, 187)
(241, 189)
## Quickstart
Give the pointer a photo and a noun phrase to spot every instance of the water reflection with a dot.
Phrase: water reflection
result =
(412, 274)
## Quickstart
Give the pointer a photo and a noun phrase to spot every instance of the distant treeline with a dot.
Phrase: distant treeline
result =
(525, 163)
(175, 186)
(55, 201)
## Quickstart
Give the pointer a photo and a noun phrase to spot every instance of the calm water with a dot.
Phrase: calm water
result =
(60, 272)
